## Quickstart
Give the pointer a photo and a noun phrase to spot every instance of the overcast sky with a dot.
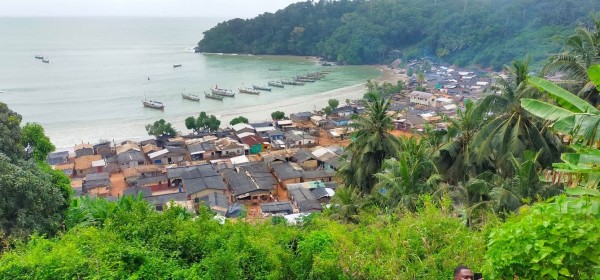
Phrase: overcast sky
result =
(183, 8)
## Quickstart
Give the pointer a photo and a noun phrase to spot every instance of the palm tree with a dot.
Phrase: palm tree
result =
(453, 158)
(347, 203)
(405, 177)
(371, 145)
(581, 51)
(510, 130)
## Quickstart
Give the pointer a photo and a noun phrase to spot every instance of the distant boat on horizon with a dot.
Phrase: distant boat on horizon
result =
(176, 65)
(39, 57)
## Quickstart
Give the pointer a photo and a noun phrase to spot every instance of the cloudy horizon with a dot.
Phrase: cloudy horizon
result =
(141, 8)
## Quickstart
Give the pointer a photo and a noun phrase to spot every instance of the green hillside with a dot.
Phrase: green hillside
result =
(464, 32)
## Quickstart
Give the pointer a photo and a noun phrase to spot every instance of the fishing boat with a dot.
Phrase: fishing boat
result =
(276, 84)
(153, 104)
(45, 60)
(303, 80)
(213, 96)
(261, 88)
(248, 90)
(222, 92)
(39, 57)
(293, 83)
(176, 65)
(190, 96)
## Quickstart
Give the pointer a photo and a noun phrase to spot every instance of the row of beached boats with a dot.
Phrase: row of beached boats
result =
(217, 93)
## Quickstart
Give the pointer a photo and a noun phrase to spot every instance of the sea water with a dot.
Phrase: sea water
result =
(101, 68)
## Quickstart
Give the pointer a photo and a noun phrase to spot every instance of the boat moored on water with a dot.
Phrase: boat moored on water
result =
(213, 96)
(293, 83)
(249, 91)
(45, 60)
(176, 65)
(153, 104)
(190, 96)
(39, 57)
(261, 88)
(275, 84)
(222, 92)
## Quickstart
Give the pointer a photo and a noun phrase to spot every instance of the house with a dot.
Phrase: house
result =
(170, 155)
(254, 143)
(275, 135)
(305, 159)
(285, 173)
(341, 121)
(58, 158)
(323, 194)
(327, 158)
(152, 176)
(303, 199)
(227, 147)
(442, 101)
(83, 149)
(205, 150)
(94, 181)
(135, 191)
(251, 183)
(340, 133)
(318, 120)
(301, 116)
(284, 124)
(343, 111)
(277, 208)
(318, 175)
(422, 98)
(150, 148)
(98, 166)
(217, 202)
(242, 127)
(67, 168)
(131, 158)
(104, 149)
(299, 138)
(83, 164)
(196, 181)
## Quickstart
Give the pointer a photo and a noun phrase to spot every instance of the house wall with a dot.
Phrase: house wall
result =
(204, 193)
(256, 149)
(233, 152)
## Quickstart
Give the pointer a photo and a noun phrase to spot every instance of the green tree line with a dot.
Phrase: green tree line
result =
(462, 32)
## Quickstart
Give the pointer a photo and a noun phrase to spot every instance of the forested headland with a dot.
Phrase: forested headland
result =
(462, 32)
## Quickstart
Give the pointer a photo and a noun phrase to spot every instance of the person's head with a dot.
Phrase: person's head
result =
(462, 272)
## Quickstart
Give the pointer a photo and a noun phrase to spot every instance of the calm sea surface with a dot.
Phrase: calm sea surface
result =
(99, 69)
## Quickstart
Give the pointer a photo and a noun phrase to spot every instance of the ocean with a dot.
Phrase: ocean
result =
(101, 68)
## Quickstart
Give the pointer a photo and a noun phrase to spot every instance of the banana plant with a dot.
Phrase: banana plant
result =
(577, 118)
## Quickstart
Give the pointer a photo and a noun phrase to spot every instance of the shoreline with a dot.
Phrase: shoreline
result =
(254, 113)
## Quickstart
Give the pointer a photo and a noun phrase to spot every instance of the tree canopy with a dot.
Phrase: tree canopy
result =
(278, 115)
(161, 128)
(33, 135)
(203, 123)
(237, 120)
(487, 33)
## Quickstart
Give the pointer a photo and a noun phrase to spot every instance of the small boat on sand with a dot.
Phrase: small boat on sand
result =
(176, 65)
(249, 91)
(190, 96)
(261, 88)
(276, 84)
(153, 104)
(213, 96)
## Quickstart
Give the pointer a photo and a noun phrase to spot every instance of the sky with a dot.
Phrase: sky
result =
(161, 8)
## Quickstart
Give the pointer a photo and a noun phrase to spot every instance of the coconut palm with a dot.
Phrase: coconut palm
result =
(581, 51)
(453, 158)
(371, 145)
(405, 177)
(509, 130)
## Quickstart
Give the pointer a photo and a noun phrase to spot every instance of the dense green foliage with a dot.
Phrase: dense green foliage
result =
(237, 120)
(203, 123)
(33, 135)
(483, 32)
(278, 115)
(160, 128)
(135, 241)
(10, 132)
(557, 240)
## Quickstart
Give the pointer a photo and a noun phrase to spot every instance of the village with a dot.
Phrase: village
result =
(256, 170)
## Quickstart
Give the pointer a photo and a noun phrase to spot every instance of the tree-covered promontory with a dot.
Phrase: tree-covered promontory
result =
(480, 32)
